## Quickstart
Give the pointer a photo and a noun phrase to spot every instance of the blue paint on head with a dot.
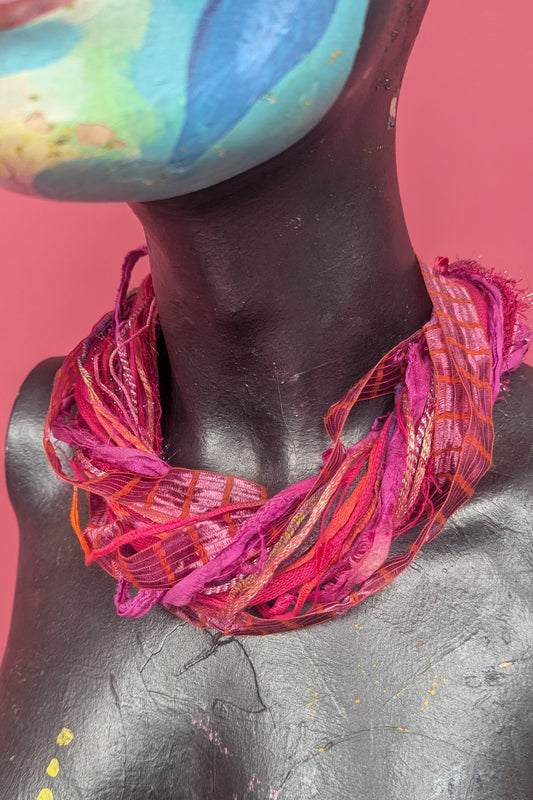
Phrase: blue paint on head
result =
(36, 46)
(229, 73)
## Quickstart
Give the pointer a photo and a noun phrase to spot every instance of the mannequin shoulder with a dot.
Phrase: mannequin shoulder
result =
(30, 480)
(496, 523)
(513, 426)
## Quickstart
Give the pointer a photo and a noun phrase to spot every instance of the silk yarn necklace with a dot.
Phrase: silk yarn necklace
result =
(213, 549)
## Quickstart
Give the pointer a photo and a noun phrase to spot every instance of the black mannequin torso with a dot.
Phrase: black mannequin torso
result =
(276, 291)
(421, 692)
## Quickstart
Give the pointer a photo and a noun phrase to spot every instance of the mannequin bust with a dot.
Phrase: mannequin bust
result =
(283, 271)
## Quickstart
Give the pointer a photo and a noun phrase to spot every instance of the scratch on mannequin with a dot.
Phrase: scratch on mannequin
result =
(116, 698)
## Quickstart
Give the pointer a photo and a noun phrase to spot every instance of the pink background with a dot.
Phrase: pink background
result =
(466, 173)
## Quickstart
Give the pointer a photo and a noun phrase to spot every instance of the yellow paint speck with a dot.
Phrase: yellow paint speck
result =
(271, 99)
(358, 700)
(45, 794)
(53, 768)
(320, 749)
(434, 683)
(65, 737)
(431, 691)
(334, 56)
(505, 664)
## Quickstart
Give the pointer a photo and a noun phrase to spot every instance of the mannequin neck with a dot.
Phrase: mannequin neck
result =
(277, 291)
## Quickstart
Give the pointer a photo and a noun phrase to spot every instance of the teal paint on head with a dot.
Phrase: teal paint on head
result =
(36, 46)
(165, 51)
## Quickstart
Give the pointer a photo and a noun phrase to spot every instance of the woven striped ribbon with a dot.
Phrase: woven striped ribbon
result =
(214, 549)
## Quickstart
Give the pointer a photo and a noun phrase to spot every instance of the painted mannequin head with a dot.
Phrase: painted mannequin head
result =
(148, 99)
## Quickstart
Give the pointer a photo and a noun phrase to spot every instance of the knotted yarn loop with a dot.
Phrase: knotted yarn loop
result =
(214, 549)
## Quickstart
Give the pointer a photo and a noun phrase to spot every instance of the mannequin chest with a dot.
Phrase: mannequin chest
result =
(420, 692)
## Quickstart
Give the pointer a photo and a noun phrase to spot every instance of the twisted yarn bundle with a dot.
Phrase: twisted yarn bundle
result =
(214, 549)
